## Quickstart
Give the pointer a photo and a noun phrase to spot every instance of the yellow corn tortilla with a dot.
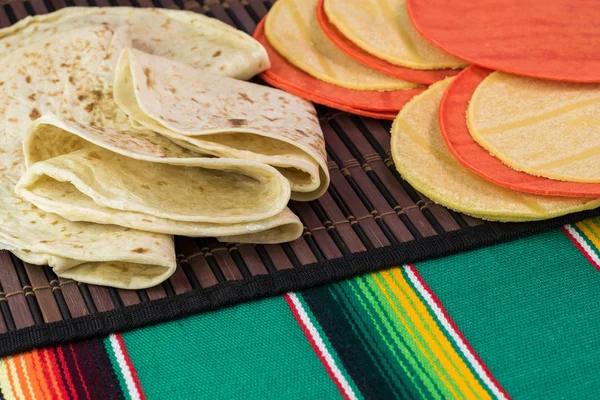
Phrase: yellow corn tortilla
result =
(383, 28)
(293, 30)
(544, 128)
(423, 160)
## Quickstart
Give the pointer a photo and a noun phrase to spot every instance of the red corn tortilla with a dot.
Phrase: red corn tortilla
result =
(284, 75)
(458, 139)
(426, 77)
(551, 39)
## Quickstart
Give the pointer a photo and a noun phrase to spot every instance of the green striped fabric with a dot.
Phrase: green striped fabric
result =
(516, 320)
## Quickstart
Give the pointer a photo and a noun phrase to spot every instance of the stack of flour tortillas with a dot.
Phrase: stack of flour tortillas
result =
(122, 127)
(517, 145)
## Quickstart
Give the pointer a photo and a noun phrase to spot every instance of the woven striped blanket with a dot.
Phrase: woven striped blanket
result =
(519, 319)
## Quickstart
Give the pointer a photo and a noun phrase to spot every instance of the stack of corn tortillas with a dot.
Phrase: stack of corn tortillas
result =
(123, 127)
(308, 60)
(517, 144)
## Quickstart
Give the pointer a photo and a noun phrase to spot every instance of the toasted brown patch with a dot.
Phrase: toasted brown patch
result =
(31, 97)
(148, 79)
(146, 220)
(270, 119)
(42, 215)
(172, 90)
(244, 96)
(140, 250)
(145, 187)
(71, 80)
(217, 53)
(78, 246)
(222, 68)
(54, 223)
(89, 107)
(161, 183)
(28, 79)
(300, 131)
(34, 114)
(237, 122)
(81, 97)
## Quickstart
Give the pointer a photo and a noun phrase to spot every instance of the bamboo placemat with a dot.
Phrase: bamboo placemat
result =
(369, 219)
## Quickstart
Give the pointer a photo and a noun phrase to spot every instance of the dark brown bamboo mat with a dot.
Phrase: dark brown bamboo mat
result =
(369, 219)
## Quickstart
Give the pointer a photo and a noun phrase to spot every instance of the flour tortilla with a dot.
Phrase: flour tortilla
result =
(67, 80)
(293, 30)
(192, 38)
(225, 117)
(544, 128)
(383, 28)
(424, 161)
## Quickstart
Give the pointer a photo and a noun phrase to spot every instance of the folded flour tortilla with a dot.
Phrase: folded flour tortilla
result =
(85, 141)
(189, 37)
(225, 117)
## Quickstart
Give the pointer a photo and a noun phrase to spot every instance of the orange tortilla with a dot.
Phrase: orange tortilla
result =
(453, 126)
(426, 77)
(371, 103)
(551, 39)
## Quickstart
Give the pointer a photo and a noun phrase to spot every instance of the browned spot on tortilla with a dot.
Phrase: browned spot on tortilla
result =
(31, 97)
(217, 53)
(161, 183)
(43, 241)
(42, 215)
(97, 94)
(140, 250)
(244, 96)
(270, 119)
(71, 80)
(172, 90)
(126, 229)
(148, 80)
(68, 235)
(28, 79)
(237, 122)
(166, 24)
(34, 114)
(89, 107)
(172, 120)
(145, 186)
(300, 131)
(81, 97)
(78, 246)
(146, 220)
(222, 68)
(54, 223)
(33, 222)
(65, 65)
